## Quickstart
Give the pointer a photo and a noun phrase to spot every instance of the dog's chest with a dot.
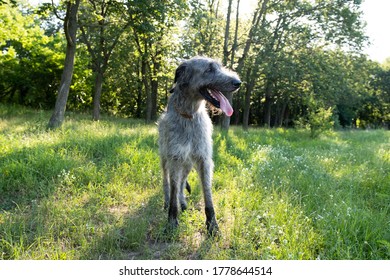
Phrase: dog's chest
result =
(193, 139)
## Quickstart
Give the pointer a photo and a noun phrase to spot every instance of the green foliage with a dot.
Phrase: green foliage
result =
(80, 94)
(375, 109)
(203, 31)
(92, 190)
(30, 61)
(386, 64)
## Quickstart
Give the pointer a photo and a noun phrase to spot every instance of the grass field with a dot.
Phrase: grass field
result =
(92, 190)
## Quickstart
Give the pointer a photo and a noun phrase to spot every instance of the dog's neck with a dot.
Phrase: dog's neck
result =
(185, 107)
(182, 113)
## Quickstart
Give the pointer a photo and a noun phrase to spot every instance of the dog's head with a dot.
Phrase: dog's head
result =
(206, 78)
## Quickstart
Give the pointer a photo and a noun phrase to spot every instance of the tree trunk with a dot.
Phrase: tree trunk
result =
(154, 94)
(247, 103)
(259, 14)
(139, 90)
(70, 28)
(144, 73)
(268, 104)
(237, 105)
(234, 47)
(251, 78)
(237, 97)
(245, 120)
(275, 121)
(139, 101)
(154, 83)
(97, 93)
(226, 40)
(282, 114)
(226, 119)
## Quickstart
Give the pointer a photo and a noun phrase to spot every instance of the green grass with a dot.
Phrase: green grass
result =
(92, 190)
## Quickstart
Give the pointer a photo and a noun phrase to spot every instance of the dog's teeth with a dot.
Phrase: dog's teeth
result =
(212, 95)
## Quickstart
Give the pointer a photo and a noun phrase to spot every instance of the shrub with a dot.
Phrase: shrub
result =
(320, 121)
(317, 121)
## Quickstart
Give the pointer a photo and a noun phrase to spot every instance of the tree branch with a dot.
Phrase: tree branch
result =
(56, 12)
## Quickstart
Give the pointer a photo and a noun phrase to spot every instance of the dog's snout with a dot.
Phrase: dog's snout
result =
(236, 83)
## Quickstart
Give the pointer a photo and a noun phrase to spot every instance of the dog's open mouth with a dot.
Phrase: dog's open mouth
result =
(217, 99)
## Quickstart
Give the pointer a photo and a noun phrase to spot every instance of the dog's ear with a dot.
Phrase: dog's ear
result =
(182, 76)
(180, 71)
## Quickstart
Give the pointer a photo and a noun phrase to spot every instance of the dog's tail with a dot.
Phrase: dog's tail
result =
(188, 187)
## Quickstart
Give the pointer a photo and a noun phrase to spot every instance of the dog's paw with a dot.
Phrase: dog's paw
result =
(212, 228)
(183, 205)
(171, 226)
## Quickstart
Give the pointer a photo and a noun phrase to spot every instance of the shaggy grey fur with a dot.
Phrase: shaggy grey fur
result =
(185, 131)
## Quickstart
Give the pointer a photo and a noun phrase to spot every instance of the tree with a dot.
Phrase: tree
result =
(102, 23)
(237, 103)
(203, 30)
(375, 105)
(151, 24)
(70, 29)
(282, 28)
(4, 2)
(251, 72)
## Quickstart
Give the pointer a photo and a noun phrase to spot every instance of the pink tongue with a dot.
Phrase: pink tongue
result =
(224, 103)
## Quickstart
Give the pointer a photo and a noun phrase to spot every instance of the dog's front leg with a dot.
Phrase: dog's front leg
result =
(184, 185)
(175, 184)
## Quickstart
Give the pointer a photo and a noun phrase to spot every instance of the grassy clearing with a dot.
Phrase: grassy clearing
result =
(92, 190)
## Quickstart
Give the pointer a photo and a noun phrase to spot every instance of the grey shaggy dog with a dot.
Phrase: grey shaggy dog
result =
(185, 131)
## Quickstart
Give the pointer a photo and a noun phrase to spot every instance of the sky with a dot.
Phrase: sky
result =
(376, 13)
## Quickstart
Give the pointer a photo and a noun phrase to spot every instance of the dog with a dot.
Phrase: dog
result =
(185, 132)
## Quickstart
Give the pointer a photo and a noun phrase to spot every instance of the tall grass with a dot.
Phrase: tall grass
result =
(92, 190)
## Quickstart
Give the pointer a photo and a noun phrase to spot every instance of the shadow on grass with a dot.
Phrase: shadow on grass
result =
(130, 236)
(31, 173)
(144, 235)
(56, 185)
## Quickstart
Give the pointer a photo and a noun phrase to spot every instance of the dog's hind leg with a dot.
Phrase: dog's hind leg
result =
(166, 186)
(205, 169)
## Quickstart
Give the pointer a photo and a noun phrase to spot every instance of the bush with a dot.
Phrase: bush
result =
(317, 121)
(320, 121)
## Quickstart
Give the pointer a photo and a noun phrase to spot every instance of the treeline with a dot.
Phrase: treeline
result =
(301, 61)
